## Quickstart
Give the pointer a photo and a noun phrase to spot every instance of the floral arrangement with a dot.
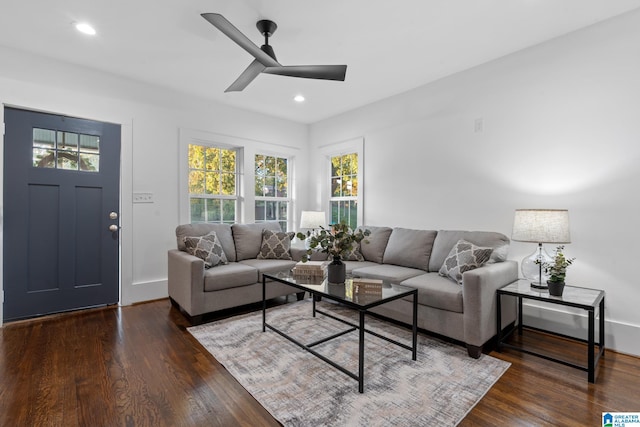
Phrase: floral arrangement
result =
(557, 268)
(337, 241)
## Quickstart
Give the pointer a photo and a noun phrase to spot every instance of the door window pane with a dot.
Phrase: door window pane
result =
(89, 144)
(67, 160)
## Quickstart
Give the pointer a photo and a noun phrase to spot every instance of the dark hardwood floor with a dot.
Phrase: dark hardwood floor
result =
(138, 366)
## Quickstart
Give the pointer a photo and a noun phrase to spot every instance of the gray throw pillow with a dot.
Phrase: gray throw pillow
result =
(354, 254)
(207, 248)
(464, 256)
(276, 245)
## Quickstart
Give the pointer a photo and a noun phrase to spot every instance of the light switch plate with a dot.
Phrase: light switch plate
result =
(142, 197)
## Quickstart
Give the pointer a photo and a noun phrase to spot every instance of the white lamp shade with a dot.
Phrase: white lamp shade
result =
(312, 219)
(541, 226)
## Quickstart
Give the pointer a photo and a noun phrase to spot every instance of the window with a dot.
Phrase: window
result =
(213, 184)
(65, 150)
(272, 199)
(343, 199)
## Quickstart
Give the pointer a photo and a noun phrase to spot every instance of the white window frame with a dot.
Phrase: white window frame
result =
(328, 151)
(289, 199)
(190, 137)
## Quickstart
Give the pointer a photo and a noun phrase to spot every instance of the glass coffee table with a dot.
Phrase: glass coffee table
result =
(344, 294)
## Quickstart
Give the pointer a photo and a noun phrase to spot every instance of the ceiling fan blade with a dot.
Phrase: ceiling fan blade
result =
(323, 72)
(228, 29)
(247, 76)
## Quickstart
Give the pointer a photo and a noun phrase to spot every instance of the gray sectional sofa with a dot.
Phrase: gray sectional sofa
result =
(462, 308)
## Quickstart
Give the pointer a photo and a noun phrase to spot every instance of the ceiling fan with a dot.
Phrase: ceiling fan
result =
(265, 59)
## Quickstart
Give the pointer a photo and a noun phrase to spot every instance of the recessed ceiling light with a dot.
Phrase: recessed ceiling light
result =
(85, 28)
(298, 98)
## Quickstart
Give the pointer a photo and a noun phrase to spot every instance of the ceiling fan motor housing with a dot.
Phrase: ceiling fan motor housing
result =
(269, 51)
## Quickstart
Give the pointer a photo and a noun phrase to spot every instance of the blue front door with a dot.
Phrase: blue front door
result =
(61, 208)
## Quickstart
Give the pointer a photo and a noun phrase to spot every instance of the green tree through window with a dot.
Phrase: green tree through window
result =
(272, 189)
(213, 178)
(344, 189)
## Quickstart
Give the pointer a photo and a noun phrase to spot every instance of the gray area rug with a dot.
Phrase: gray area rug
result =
(298, 389)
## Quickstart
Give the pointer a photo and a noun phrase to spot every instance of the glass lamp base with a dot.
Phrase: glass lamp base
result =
(532, 270)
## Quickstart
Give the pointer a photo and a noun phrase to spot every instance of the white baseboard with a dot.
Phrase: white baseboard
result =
(145, 291)
(619, 336)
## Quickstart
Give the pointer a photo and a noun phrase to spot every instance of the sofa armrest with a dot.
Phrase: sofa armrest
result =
(479, 298)
(186, 281)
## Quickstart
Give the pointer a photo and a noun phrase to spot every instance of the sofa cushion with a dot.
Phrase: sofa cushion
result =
(464, 256)
(354, 265)
(227, 276)
(372, 247)
(207, 248)
(297, 253)
(409, 248)
(446, 239)
(269, 265)
(276, 245)
(436, 291)
(392, 273)
(223, 231)
(248, 238)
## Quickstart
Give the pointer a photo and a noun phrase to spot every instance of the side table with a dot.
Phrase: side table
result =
(573, 296)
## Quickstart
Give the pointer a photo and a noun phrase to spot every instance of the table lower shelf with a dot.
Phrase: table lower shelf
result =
(551, 346)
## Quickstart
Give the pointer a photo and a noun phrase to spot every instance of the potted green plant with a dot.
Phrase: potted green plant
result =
(337, 241)
(557, 271)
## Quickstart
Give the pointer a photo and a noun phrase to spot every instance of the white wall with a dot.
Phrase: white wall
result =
(561, 130)
(151, 119)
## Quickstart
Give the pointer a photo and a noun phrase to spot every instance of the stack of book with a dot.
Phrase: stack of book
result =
(312, 269)
(369, 287)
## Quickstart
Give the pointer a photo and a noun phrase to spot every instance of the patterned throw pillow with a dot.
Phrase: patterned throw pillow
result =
(464, 256)
(208, 248)
(353, 255)
(275, 245)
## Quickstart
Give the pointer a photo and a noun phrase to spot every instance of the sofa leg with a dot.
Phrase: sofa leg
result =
(196, 320)
(474, 351)
(300, 296)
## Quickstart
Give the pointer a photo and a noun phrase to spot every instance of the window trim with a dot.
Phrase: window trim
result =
(355, 145)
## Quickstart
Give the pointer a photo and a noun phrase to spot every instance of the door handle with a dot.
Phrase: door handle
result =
(113, 228)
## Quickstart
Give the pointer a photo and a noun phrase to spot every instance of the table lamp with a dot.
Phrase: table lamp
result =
(311, 220)
(539, 226)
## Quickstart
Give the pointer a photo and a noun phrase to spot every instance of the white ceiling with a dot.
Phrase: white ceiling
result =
(389, 46)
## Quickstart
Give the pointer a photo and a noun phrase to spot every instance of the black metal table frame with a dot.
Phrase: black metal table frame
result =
(362, 310)
(592, 359)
